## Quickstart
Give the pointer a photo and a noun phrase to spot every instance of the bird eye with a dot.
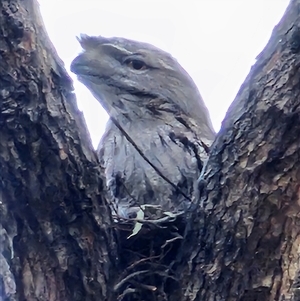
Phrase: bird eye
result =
(137, 64)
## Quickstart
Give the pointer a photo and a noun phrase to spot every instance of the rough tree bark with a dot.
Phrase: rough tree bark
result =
(57, 239)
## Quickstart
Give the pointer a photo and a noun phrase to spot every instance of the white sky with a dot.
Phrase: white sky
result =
(216, 41)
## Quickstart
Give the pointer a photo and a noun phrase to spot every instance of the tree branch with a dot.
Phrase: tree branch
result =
(248, 223)
(50, 205)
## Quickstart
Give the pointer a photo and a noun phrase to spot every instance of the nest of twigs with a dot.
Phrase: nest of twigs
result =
(151, 248)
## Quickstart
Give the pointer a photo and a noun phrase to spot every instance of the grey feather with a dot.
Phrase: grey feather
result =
(157, 139)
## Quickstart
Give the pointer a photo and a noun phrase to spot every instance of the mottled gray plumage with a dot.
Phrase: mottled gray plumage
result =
(158, 136)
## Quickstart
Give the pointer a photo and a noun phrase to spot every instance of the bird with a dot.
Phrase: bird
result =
(158, 136)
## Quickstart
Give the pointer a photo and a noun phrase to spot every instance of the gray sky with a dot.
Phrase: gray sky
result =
(216, 41)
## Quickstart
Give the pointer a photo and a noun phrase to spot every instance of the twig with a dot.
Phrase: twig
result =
(130, 267)
(151, 288)
(126, 292)
(154, 221)
(171, 240)
(140, 261)
(118, 285)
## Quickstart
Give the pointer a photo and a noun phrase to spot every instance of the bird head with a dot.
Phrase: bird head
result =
(134, 80)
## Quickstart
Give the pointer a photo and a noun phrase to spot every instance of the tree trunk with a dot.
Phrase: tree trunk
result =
(57, 239)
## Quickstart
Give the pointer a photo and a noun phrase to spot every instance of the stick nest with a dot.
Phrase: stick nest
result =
(151, 249)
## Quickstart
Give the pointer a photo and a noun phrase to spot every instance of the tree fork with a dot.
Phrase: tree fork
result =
(57, 238)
